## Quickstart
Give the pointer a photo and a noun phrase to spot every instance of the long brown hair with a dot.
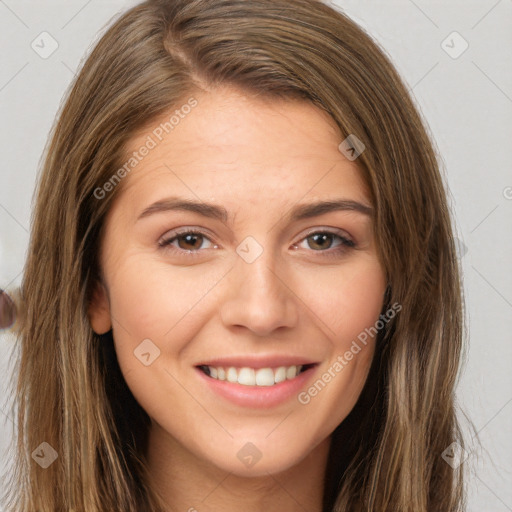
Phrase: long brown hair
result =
(70, 393)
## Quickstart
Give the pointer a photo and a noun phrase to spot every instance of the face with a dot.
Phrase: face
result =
(235, 304)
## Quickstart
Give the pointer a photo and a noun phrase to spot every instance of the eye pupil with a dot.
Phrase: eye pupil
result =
(324, 237)
(189, 238)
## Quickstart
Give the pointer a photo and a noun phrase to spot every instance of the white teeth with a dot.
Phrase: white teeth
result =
(291, 372)
(231, 375)
(265, 377)
(254, 377)
(280, 374)
(246, 377)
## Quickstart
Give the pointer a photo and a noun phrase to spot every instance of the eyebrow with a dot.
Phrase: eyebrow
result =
(300, 212)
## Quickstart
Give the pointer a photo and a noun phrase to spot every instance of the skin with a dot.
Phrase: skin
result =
(257, 159)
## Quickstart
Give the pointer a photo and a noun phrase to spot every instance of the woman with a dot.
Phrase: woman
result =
(241, 286)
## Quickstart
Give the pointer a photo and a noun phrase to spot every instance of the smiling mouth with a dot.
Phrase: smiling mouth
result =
(246, 376)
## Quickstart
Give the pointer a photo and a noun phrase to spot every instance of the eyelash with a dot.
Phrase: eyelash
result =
(345, 245)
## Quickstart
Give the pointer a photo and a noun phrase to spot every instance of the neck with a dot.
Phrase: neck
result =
(187, 483)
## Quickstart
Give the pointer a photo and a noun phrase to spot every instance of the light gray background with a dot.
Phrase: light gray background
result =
(466, 101)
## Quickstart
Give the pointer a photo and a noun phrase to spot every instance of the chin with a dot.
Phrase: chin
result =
(255, 456)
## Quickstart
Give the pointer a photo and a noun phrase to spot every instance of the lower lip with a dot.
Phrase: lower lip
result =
(261, 397)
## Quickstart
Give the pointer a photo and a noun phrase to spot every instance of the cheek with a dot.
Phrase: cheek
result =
(348, 299)
(147, 296)
(153, 300)
(348, 311)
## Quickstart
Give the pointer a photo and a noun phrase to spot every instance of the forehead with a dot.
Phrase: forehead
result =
(242, 149)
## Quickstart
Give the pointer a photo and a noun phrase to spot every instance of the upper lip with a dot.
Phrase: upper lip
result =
(270, 361)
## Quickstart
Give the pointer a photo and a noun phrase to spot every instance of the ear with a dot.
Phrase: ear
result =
(99, 309)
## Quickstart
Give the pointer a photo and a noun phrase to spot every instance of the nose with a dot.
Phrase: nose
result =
(259, 297)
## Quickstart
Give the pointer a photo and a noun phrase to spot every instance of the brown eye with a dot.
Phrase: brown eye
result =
(323, 242)
(190, 241)
(186, 242)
